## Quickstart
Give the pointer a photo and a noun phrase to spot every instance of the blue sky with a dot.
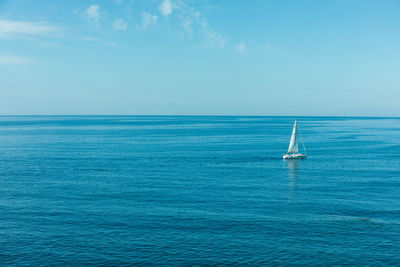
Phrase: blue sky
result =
(203, 57)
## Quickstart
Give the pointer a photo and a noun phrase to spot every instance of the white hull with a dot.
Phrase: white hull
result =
(294, 156)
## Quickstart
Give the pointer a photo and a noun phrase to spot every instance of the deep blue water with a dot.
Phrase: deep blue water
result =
(126, 190)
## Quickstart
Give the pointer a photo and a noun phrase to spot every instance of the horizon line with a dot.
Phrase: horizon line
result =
(190, 115)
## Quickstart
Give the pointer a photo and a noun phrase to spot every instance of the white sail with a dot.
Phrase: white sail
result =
(294, 140)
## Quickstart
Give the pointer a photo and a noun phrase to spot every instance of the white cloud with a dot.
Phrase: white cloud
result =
(211, 39)
(148, 20)
(189, 21)
(120, 24)
(240, 48)
(90, 39)
(16, 27)
(195, 25)
(93, 14)
(166, 7)
(100, 41)
(14, 60)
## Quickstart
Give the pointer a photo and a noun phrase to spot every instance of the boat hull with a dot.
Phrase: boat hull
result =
(294, 156)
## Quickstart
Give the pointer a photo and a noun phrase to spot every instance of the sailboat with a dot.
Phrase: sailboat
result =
(293, 151)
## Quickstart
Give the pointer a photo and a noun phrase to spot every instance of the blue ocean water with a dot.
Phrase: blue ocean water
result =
(161, 190)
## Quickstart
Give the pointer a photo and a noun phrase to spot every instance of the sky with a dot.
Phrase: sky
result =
(200, 57)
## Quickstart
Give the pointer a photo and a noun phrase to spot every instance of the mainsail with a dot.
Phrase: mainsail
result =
(294, 140)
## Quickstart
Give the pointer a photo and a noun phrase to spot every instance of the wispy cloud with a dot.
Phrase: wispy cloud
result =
(10, 28)
(189, 20)
(100, 41)
(212, 39)
(148, 20)
(93, 15)
(240, 48)
(120, 24)
(196, 25)
(90, 39)
(166, 7)
(14, 60)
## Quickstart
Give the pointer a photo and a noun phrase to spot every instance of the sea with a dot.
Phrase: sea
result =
(198, 191)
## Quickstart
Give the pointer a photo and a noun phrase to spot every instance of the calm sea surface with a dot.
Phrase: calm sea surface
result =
(126, 190)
